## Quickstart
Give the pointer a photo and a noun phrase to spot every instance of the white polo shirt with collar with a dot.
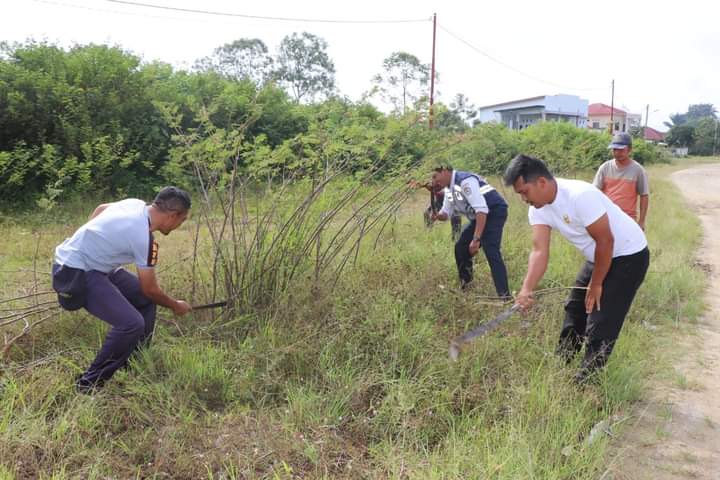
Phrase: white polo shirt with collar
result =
(578, 205)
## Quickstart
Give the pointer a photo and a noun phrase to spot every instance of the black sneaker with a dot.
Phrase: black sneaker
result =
(82, 385)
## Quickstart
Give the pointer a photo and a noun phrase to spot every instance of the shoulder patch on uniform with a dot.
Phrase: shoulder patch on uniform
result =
(152, 252)
(466, 190)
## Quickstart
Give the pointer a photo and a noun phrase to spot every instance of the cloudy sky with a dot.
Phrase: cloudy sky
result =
(665, 54)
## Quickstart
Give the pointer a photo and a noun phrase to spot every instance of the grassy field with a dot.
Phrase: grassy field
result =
(347, 383)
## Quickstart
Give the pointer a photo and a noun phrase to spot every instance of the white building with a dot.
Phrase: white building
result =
(521, 114)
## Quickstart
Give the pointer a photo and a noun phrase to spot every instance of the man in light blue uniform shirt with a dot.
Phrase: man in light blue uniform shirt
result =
(88, 273)
(470, 195)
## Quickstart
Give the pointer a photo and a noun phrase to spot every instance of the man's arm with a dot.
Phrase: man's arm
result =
(537, 264)
(599, 178)
(604, 242)
(151, 289)
(480, 219)
(444, 212)
(98, 210)
(416, 184)
(644, 202)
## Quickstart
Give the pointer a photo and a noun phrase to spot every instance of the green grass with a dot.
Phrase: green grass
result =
(353, 383)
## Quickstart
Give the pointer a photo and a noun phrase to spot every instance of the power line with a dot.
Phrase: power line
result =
(510, 67)
(261, 17)
(115, 12)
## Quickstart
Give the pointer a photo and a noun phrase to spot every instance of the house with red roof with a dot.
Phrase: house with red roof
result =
(652, 135)
(599, 116)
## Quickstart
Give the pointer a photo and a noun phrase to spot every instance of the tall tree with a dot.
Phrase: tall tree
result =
(458, 116)
(682, 135)
(403, 80)
(245, 58)
(700, 111)
(705, 141)
(464, 108)
(694, 129)
(676, 119)
(304, 67)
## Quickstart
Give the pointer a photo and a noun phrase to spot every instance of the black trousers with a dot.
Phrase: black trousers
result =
(490, 241)
(600, 329)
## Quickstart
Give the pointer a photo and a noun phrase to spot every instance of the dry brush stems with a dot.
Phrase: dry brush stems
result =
(252, 262)
(23, 297)
(27, 328)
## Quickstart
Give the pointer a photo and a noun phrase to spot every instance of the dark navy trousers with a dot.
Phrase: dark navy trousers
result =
(116, 299)
(490, 241)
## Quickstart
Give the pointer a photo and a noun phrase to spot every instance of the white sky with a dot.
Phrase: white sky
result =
(663, 53)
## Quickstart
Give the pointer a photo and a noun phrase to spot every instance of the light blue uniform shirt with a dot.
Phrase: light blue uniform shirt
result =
(120, 235)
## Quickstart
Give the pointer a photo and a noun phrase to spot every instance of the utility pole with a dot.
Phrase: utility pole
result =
(432, 74)
(612, 108)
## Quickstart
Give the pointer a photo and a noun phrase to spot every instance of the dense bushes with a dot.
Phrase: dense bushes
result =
(96, 119)
(487, 148)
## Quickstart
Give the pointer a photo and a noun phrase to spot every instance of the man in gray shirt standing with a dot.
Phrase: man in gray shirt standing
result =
(623, 179)
(88, 273)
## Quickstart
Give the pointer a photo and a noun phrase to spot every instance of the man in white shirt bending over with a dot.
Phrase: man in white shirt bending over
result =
(615, 250)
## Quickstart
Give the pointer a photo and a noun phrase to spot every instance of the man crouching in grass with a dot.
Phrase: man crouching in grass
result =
(615, 250)
(88, 273)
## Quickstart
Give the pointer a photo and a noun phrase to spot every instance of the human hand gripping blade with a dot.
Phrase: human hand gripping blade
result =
(457, 343)
(210, 305)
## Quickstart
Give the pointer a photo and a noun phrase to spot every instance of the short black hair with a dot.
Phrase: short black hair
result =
(441, 168)
(172, 199)
(527, 167)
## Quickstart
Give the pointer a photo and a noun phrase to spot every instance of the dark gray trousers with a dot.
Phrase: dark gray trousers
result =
(599, 330)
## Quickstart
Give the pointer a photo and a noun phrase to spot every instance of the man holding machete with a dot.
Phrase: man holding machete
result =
(470, 195)
(437, 197)
(616, 257)
(87, 273)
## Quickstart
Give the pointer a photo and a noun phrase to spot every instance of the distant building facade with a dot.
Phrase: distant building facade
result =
(599, 116)
(520, 114)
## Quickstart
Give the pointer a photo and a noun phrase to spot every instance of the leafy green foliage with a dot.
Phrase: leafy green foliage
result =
(95, 119)
(403, 81)
(302, 64)
(245, 58)
(696, 129)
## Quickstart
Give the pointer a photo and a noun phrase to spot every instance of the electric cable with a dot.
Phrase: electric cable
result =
(510, 67)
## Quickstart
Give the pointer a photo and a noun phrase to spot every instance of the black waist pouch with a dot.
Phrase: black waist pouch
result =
(69, 283)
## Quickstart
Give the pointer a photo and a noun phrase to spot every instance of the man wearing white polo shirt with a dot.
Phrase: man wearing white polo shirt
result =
(614, 247)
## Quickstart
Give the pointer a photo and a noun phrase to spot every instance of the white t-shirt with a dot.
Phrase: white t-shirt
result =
(579, 204)
(471, 201)
(118, 236)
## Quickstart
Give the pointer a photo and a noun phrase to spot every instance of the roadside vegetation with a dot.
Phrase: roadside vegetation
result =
(345, 382)
(331, 360)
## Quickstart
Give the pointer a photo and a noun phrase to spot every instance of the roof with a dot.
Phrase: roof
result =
(602, 109)
(653, 135)
(514, 101)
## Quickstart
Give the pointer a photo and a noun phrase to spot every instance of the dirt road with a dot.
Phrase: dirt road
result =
(678, 431)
